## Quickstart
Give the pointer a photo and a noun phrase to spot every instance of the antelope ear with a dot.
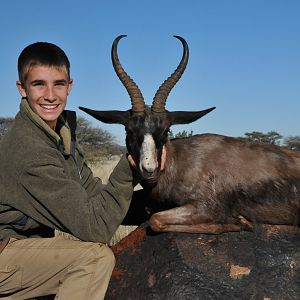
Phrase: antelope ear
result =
(186, 117)
(108, 116)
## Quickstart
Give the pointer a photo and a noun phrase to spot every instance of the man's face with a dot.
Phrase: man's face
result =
(46, 89)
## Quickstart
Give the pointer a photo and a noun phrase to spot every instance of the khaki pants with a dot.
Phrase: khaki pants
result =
(41, 266)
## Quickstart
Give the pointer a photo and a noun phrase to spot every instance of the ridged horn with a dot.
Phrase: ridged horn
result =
(137, 99)
(160, 98)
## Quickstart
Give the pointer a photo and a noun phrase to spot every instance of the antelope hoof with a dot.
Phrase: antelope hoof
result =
(156, 224)
(245, 223)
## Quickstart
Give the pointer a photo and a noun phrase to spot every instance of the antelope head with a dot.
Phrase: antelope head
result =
(147, 127)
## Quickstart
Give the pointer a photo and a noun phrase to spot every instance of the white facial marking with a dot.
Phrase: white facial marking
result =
(148, 159)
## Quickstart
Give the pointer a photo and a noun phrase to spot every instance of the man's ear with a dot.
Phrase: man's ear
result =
(70, 85)
(21, 89)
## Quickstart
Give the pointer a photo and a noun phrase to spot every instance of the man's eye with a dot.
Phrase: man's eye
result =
(38, 83)
(61, 83)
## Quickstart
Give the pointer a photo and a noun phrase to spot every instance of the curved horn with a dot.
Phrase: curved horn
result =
(137, 99)
(160, 98)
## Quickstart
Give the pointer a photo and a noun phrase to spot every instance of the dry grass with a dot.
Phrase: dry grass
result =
(102, 168)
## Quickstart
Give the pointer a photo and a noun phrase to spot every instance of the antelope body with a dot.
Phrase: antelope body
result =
(210, 183)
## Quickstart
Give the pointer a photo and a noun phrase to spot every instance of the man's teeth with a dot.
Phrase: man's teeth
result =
(49, 106)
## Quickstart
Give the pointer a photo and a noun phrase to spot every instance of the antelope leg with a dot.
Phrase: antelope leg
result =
(186, 218)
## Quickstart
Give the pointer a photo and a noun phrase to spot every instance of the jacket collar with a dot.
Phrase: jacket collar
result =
(65, 134)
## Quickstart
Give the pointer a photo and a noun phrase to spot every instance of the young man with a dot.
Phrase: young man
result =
(45, 185)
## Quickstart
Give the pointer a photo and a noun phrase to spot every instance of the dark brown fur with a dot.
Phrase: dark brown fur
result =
(223, 178)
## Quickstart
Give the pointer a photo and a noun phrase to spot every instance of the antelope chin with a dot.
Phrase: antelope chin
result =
(150, 179)
(149, 182)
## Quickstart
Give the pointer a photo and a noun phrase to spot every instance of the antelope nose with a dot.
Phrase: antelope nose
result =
(148, 171)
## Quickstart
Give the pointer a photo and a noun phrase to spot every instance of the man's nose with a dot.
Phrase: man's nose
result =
(50, 94)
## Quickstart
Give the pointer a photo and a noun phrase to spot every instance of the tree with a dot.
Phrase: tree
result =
(5, 124)
(89, 135)
(272, 137)
(292, 142)
(96, 142)
(180, 134)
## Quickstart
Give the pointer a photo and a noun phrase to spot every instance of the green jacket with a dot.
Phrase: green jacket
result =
(45, 183)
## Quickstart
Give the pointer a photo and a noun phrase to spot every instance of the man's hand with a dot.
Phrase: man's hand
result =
(131, 161)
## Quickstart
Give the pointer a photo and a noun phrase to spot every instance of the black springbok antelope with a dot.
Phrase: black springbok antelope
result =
(210, 183)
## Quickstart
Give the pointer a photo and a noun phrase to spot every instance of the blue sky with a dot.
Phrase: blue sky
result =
(244, 57)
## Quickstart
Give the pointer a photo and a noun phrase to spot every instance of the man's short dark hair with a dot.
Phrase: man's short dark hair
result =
(41, 54)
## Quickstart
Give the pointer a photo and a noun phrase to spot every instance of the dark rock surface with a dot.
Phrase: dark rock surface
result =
(179, 266)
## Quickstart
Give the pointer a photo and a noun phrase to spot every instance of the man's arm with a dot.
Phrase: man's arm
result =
(86, 208)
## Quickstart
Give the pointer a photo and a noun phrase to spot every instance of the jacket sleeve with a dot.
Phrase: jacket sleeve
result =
(82, 206)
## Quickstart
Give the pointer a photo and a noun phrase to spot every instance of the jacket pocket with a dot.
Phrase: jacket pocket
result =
(10, 278)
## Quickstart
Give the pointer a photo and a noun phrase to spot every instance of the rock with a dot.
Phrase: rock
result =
(180, 266)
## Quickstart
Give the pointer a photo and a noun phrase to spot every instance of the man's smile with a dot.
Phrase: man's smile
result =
(49, 107)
